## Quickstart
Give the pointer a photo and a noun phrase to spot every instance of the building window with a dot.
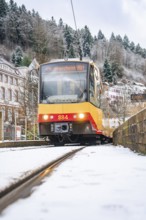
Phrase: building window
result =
(9, 94)
(5, 79)
(16, 95)
(9, 114)
(4, 113)
(11, 80)
(0, 93)
(15, 82)
(1, 77)
(3, 93)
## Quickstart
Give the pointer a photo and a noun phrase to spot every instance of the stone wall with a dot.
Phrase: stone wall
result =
(132, 133)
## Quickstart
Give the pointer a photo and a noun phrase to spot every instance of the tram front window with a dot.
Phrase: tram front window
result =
(63, 83)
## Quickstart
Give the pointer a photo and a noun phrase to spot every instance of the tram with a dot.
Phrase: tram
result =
(69, 102)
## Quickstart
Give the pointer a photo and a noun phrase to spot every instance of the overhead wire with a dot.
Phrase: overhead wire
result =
(80, 51)
(74, 15)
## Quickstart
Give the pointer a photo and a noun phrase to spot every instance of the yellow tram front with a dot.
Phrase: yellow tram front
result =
(69, 100)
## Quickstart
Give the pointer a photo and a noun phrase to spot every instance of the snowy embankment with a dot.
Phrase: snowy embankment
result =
(15, 163)
(103, 182)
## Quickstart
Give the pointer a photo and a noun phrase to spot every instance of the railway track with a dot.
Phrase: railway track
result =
(23, 188)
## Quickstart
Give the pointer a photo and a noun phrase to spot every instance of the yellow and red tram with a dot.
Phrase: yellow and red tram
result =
(69, 102)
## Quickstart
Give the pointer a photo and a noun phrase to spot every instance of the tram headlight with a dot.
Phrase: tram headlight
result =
(51, 117)
(45, 117)
(74, 116)
(81, 115)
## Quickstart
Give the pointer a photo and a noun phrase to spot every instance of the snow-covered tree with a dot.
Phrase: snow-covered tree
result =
(17, 56)
(112, 38)
(69, 38)
(117, 71)
(138, 49)
(87, 41)
(126, 42)
(132, 46)
(3, 13)
(107, 72)
(3, 8)
(100, 35)
(119, 39)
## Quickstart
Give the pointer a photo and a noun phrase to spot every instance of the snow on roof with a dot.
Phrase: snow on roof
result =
(138, 84)
(3, 61)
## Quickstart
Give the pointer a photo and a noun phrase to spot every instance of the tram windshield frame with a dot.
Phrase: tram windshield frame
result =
(63, 82)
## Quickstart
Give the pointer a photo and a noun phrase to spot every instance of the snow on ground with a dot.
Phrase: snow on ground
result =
(18, 162)
(102, 182)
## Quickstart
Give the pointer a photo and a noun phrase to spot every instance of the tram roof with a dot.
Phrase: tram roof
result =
(85, 59)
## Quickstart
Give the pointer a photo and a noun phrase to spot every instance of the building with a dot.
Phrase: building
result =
(11, 81)
(122, 92)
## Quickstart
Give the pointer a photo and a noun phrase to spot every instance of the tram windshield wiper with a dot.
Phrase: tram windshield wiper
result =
(83, 96)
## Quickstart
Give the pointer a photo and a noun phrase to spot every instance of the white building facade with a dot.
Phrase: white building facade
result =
(11, 80)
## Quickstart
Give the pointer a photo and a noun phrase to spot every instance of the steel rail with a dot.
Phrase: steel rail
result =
(23, 188)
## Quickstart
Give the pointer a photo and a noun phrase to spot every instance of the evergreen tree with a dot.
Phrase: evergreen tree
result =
(100, 35)
(112, 38)
(144, 53)
(126, 42)
(138, 49)
(95, 39)
(11, 22)
(77, 45)
(3, 8)
(87, 41)
(60, 23)
(119, 39)
(13, 6)
(68, 35)
(132, 46)
(24, 28)
(117, 71)
(3, 13)
(26, 61)
(53, 24)
(13, 57)
(71, 52)
(86, 49)
(107, 72)
(42, 39)
(17, 56)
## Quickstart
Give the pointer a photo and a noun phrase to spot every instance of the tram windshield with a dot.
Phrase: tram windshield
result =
(64, 82)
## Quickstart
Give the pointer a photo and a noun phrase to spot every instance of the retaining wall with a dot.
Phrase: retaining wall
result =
(132, 133)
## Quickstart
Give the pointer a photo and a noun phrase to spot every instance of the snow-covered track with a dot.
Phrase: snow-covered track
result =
(23, 187)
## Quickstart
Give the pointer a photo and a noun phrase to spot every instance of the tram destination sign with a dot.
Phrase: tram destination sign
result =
(138, 97)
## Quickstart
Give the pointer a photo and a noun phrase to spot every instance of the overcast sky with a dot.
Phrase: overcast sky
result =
(117, 16)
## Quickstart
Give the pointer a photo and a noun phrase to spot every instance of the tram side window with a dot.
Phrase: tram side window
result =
(93, 90)
(92, 86)
(98, 87)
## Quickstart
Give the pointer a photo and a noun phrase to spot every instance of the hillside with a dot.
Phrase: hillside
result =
(25, 35)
